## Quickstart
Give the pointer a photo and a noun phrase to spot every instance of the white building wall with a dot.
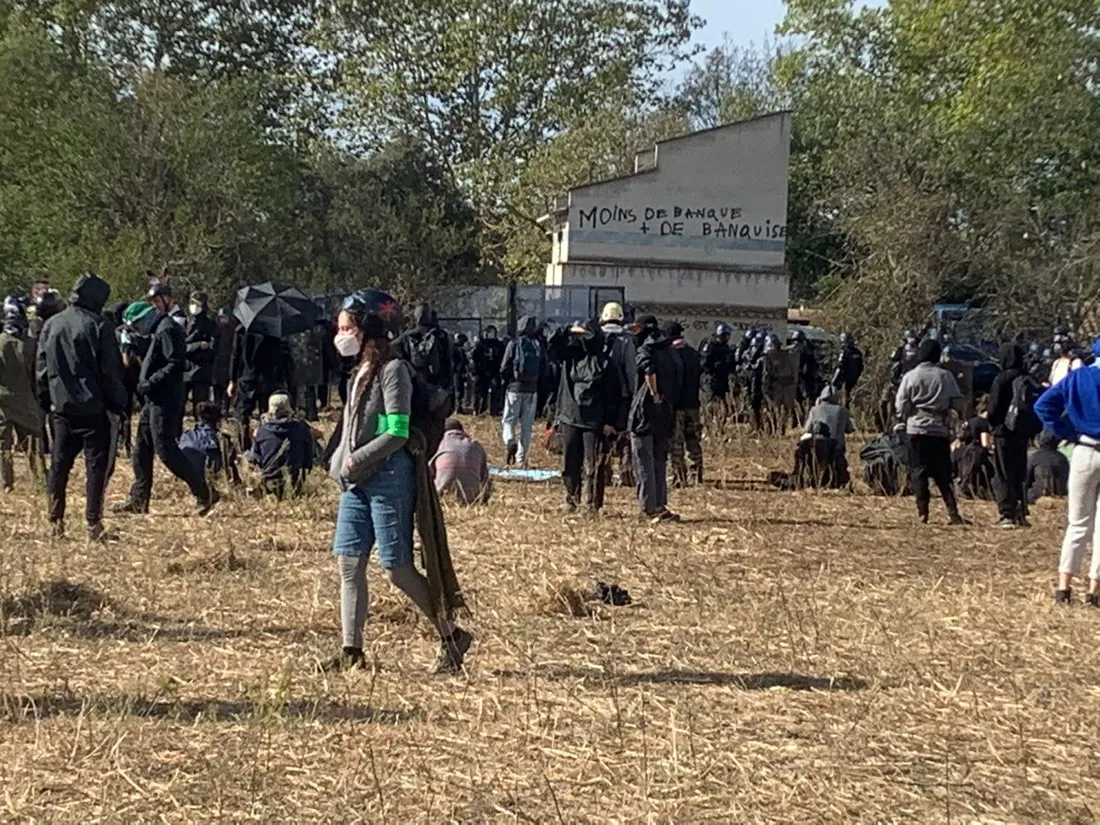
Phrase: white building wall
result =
(716, 198)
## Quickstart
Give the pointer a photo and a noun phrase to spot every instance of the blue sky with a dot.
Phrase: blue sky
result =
(745, 20)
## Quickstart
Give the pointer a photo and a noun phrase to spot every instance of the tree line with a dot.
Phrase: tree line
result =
(942, 149)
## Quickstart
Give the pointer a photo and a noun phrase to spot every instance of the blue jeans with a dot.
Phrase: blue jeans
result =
(519, 409)
(380, 510)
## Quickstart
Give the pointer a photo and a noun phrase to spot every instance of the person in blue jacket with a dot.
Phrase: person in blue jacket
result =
(1071, 411)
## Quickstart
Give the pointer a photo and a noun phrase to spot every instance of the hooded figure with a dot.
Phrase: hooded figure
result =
(79, 381)
(428, 349)
(588, 410)
(79, 368)
(1009, 447)
(521, 369)
(20, 416)
(687, 435)
(487, 355)
(652, 419)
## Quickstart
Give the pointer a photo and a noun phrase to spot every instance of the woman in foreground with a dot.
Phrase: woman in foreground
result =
(377, 474)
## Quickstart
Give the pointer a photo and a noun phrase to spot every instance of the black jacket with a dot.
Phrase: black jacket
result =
(79, 370)
(1047, 472)
(162, 372)
(259, 363)
(655, 358)
(223, 353)
(283, 445)
(589, 394)
(428, 349)
(691, 376)
(200, 362)
(1000, 393)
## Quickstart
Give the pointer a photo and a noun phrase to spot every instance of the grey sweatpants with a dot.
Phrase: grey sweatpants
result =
(1084, 490)
(650, 453)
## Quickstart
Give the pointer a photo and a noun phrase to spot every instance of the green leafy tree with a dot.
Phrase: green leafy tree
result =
(484, 84)
(958, 147)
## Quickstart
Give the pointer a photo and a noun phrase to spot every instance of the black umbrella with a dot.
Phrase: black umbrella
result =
(275, 309)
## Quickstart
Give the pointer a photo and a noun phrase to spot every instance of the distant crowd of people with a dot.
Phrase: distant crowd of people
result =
(623, 401)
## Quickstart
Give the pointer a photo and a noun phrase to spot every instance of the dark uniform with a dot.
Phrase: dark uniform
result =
(487, 355)
(160, 425)
(201, 339)
(849, 368)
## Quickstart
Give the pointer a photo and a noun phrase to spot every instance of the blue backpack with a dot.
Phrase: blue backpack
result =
(527, 359)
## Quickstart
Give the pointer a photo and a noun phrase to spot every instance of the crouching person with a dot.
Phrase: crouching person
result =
(823, 448)
(282, 448)
(461, 467)
(209, 449)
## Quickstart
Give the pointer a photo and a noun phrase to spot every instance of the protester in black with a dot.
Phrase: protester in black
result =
(652, 418)
(307, 368)
(589, 404)
(1009, 448)
(258, 367)
(79, 381)
(223, 355)
(428, 349)
(460, 369)
(487, 355)
(687, 437)
(162, 386)
(201, 338)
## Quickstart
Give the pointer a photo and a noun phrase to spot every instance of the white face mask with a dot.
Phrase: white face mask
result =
(196, 309)
(347, 344)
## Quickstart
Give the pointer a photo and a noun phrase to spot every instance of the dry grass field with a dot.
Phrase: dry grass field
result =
(789, 657)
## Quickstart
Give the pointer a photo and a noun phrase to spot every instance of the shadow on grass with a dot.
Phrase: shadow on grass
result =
(77, 609)
(17, 709)
(744, 681)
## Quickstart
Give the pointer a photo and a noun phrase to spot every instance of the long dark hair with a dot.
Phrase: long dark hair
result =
(376, 350)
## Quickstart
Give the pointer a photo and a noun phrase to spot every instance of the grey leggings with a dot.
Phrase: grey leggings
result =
(354, 598)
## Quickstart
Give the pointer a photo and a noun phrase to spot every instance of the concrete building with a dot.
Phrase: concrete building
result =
(697, 233)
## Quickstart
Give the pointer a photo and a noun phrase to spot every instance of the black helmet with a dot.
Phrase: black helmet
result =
(846, 339)
(49, 304)
(798, 335)
(374, 303)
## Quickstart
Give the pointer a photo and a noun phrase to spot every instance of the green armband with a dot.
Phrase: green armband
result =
(397, 425)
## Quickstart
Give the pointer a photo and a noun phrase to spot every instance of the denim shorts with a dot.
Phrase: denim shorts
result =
(380, 510)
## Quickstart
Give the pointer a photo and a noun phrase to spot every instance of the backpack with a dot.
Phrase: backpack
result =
(527, 359)
(1021, 418)
(426, 356)
(587, 376)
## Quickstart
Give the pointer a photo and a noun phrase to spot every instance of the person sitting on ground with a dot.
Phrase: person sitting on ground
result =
(282, 448)
(205, 446)
(1047, 470)
(972, 463)
(460, 466)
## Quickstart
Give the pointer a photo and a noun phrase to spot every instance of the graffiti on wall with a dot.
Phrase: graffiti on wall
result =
(677, 220)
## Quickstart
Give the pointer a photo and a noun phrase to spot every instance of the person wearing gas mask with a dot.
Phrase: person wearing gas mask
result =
(201, 340)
